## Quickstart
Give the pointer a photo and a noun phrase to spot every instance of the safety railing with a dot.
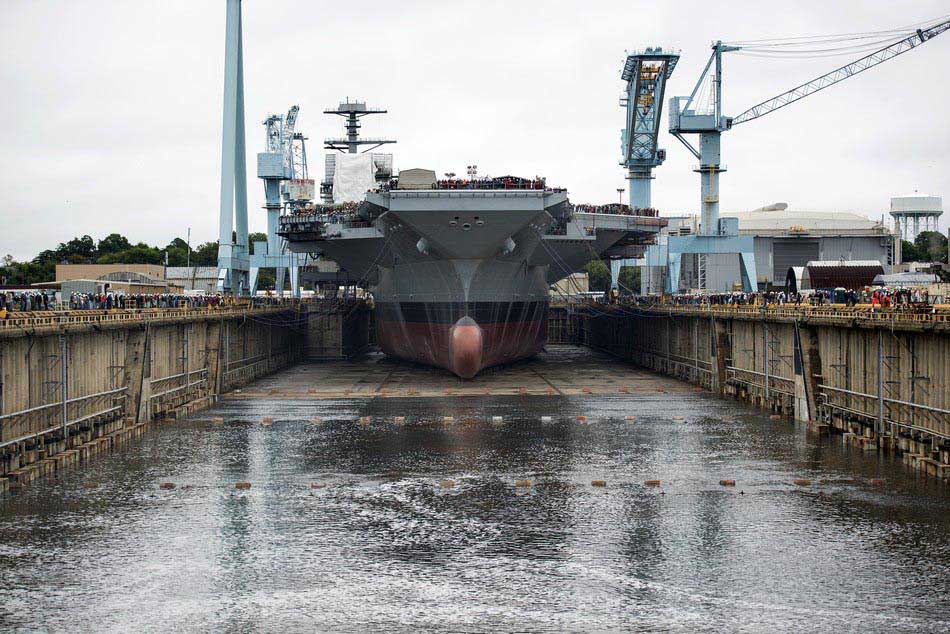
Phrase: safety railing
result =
(28, 424)
(27, 321)
(842, 312)
(758, 381)
(902, 414)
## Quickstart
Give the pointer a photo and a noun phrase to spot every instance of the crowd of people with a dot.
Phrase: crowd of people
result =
(25, 301)
(501, 182)
(340, 209)
(122, 301)
(616, 209)
(873, 297)
(30, 301)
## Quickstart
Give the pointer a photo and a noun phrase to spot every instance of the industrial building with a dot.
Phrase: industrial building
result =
(118, 277)
(783, 238)
(193, 278)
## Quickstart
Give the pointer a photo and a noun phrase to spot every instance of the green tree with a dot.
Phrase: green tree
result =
(113, 243)
(629, 280)
(205, 254)
(77, 250)
(931, 246)
(598, 276)
(141, 253)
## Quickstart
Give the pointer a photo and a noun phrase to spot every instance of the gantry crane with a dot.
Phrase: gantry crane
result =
(645, 73)
(688, 116)
(275, 166)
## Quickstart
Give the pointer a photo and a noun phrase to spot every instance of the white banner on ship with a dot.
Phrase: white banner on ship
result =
(353, 177)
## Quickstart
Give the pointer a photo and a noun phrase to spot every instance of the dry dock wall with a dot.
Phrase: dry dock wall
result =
(76, 384)
(882, 382)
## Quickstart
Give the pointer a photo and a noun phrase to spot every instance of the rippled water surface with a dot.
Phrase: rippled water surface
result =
(419, 526)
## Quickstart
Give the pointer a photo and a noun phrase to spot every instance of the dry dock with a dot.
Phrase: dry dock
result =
(73, 385)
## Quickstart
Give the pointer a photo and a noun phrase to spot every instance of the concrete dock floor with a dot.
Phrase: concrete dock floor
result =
(560, 370)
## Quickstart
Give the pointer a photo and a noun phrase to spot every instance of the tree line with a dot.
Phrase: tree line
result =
(929, 246)
(112, 249)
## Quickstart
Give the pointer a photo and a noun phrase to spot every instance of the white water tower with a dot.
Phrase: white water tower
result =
(913, 214)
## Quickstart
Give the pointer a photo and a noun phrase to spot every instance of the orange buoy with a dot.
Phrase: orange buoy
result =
(801, 482)
(598, 483)
(167, 486)
(652, 483)
(522, 483)
(242, 485)
(727, 483)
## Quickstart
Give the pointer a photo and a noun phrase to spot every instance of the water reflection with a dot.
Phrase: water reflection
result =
(349, 527)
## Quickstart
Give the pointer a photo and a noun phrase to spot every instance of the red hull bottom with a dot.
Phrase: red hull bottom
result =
(465, 347)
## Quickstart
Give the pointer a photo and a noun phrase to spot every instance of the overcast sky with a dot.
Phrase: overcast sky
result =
(110, 115)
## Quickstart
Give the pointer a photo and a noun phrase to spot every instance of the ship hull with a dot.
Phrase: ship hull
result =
(462, 337)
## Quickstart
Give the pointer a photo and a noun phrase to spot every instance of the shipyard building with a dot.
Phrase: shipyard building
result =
(783, 238)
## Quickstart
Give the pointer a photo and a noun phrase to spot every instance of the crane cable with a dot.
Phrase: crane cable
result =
(833, 38)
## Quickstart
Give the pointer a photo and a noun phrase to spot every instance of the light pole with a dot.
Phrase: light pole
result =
(620, 191)
(472, 171)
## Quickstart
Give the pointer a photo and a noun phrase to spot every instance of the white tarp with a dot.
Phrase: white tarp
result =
(353, 177)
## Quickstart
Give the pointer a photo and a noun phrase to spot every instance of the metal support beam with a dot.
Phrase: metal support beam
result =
(64, 379)
(880, 383)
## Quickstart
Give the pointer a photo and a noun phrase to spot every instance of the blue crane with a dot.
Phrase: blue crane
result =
(688, 115)
(646, 73)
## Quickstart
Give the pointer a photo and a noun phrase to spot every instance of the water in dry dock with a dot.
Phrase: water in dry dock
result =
(417, 525)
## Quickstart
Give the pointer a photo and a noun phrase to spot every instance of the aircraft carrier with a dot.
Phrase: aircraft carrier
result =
(460, 270)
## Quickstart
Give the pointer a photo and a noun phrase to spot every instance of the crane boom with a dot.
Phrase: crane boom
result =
(840, 74)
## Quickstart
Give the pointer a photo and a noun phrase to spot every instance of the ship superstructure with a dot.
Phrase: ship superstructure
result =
(460, 274)
(460, 269)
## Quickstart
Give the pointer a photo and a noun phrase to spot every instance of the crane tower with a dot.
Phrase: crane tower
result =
(645, 73)
(691, 115)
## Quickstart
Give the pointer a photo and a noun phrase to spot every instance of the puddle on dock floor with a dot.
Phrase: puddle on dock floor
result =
(359, 520)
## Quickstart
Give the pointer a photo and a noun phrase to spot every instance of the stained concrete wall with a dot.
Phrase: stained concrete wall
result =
(828, 372)
(102, 380)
